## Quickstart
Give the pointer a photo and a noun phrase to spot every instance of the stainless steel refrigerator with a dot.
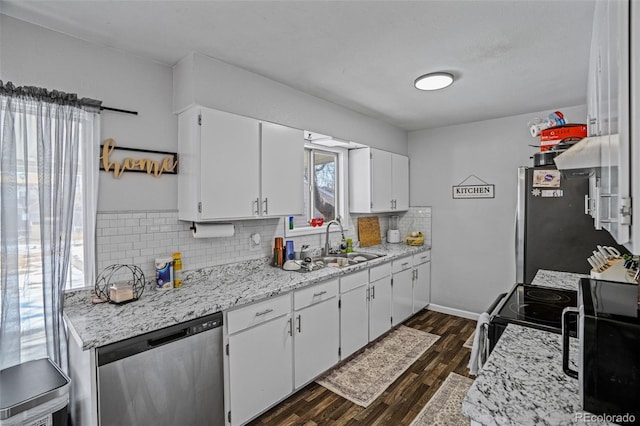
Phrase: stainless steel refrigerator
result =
(552, 230)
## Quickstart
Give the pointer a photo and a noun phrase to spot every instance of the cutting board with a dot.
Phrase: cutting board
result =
(369, 231)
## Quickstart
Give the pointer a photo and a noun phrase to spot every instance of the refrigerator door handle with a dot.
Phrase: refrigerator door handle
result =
(520, 223)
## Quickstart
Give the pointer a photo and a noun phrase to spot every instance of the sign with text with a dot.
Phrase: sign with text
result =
(474, 191)
(155, 163)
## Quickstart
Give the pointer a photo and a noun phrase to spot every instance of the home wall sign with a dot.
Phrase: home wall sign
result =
(113, 159)
(484, 190)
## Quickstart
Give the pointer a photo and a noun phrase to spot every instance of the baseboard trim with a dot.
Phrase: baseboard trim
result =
(452, 311)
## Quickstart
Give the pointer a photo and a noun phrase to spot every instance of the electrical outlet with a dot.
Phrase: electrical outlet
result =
(255, 242)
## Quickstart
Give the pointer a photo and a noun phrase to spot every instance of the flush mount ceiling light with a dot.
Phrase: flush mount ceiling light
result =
(434, 81)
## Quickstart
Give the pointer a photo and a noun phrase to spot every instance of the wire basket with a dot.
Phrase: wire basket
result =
(129, 278)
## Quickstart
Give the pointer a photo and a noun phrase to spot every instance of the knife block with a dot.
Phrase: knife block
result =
(615, 271)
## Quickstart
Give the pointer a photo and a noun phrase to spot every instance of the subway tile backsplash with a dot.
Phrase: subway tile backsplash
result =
(139, 238)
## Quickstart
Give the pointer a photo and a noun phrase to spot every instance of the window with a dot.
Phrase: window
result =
(324, 189)
(29, 246)
(49, 186)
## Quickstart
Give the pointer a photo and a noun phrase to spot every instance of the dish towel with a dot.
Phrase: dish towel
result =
(480, 349)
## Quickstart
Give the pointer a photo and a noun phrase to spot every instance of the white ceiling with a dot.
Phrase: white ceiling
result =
(509, 57)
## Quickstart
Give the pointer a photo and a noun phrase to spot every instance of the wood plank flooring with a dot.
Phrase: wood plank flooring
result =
(402, 401)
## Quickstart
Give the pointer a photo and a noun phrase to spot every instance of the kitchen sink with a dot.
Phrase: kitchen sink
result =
(340, 260)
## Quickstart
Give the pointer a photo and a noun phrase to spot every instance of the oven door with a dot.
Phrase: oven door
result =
(495, 327)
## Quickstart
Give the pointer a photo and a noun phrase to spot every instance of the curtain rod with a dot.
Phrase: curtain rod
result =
(124, 111)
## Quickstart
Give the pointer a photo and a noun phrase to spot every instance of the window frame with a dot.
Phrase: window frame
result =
(342, 193)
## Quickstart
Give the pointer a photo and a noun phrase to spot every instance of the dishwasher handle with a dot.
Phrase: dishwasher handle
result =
(154, 343)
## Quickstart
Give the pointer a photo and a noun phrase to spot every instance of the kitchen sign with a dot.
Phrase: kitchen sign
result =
(154, 163)
(462, 191)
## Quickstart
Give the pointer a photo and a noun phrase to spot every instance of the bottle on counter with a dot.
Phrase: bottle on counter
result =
(349, 245)
(177, 270)
(278, 252)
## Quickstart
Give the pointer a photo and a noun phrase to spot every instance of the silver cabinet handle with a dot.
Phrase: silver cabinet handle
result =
(256, 212)
(320, 293)
(266, 206)
(290, 326)
(265, 312)
(299, 327)
(373, 292)
(405, 264)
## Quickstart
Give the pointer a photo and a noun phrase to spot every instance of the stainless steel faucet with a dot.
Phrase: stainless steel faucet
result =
(327, 246)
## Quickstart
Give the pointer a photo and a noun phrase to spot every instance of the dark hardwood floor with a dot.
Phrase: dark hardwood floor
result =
(403, 400)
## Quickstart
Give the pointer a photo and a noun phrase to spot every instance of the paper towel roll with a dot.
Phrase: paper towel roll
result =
(212, 230)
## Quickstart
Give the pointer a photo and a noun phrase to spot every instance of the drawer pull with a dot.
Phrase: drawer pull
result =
(404, 264)
(320, 293)
(265, 312)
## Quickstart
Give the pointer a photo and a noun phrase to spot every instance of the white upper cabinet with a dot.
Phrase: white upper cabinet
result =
(612, 105)
(234, 167)
(282, 152)
(400, 181)
(378, 181)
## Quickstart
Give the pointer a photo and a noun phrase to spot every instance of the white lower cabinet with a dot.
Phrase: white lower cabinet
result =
(421, 281)
(278, 345)
(354, 312)
(402, 289)
(379, 300)
(275, 347)
(316, 324)
(260, 358)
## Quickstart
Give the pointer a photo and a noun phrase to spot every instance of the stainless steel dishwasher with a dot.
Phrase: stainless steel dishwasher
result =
(171, 376)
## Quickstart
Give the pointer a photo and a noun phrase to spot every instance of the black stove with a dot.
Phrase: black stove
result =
(532, 306)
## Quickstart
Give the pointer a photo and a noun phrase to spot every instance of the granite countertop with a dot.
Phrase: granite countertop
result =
(522, 382)
(563, 280)
(204, 292)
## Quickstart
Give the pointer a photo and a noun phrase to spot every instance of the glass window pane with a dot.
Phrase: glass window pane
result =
(324, 188)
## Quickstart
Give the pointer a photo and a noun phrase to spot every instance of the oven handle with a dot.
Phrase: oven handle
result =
(566, 314)
(495, 304)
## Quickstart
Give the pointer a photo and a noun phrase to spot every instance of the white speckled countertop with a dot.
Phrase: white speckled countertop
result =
(204, 292)
(522, 382)
(564, 280)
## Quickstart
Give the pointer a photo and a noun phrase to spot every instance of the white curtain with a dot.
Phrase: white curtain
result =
(43, 136)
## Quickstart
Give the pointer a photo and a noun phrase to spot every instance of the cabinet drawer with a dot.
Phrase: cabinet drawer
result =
(401, 264)
(314, 294)
(380, 271)
(245, 317)
(351, 281)
(420, 258)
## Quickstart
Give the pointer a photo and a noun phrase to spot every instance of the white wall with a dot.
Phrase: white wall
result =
(35, 56)
(473, 256)
(205, 81)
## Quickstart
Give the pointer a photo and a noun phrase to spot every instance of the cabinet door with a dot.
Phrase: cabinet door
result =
(354, 321)
(421, 286)
(380, 181)
(229, 157)
(282, 152)
(402, 296)
(615, 167)
(317, 340)
(379, 307)
(400, 181)
(260, 368)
